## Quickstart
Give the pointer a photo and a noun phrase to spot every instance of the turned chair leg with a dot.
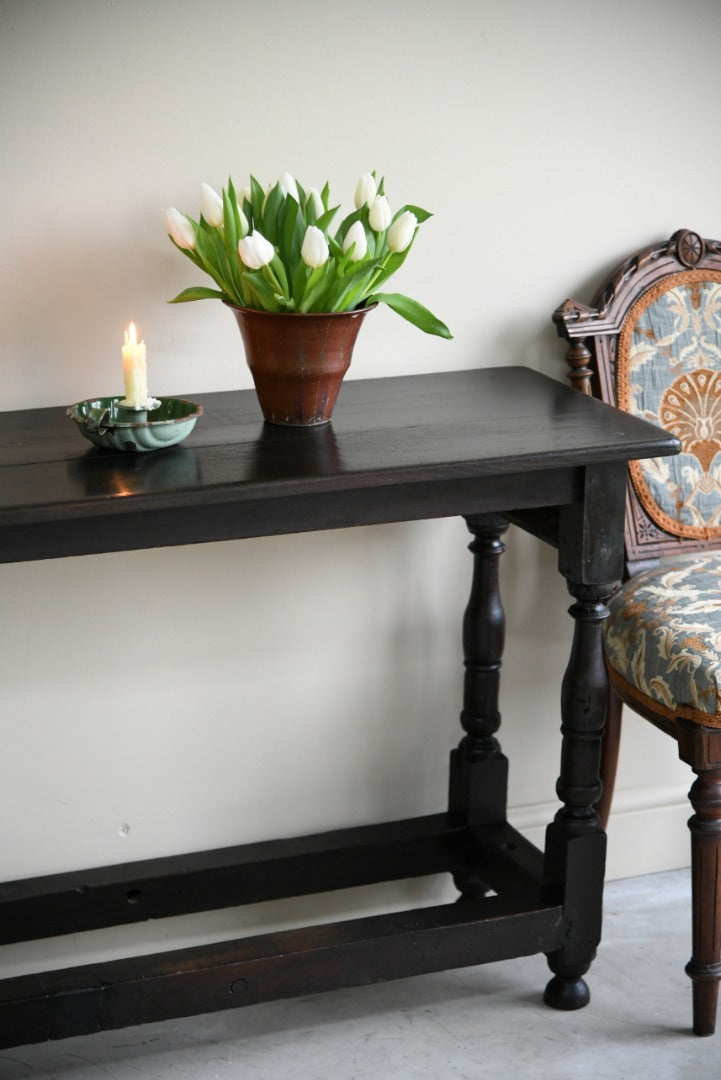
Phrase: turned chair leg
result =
(704, 968)
(609, 755)
(700, 747)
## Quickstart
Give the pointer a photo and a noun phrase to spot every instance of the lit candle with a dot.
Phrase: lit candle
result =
(135, 371)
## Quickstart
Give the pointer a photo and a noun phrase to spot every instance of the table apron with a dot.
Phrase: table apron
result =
(45, 533)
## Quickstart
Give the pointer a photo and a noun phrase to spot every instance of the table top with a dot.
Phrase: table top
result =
(398, 448)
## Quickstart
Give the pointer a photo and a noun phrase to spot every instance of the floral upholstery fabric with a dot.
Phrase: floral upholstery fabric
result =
(663, 638)
(669, 372)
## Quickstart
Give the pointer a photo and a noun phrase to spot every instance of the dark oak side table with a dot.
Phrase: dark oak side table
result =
(495, 445)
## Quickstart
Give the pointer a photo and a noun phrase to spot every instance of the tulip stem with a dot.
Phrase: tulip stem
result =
(377, 274)
(275, 282)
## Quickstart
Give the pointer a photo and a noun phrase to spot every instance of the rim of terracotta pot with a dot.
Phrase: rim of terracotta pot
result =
(302, 314)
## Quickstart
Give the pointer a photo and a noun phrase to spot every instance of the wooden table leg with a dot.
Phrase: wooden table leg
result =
(575, 842)
(479, 771)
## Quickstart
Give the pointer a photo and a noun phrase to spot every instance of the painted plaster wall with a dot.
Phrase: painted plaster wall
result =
(278, 686)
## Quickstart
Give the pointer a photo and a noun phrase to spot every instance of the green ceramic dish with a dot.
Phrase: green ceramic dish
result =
(106, 423)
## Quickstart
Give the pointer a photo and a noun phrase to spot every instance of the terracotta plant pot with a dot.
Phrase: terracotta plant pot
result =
(298, 361)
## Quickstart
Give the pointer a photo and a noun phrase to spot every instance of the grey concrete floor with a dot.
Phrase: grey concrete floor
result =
(474, 1023)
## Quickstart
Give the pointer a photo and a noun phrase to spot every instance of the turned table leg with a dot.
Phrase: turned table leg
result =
(479, 771)
(575, 842)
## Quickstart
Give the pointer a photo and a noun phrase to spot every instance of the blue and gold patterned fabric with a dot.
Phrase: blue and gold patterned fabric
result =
(663, 638)
(669, 372)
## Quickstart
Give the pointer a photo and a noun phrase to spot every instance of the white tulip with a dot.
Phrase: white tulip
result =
(211, 205)
(365, 191)
(314, 251)
(179, 228)
(356, 235)
(314, 197)
(255, 250)
(379, 214)
(288, 186)
(244, 226)
(400, 232)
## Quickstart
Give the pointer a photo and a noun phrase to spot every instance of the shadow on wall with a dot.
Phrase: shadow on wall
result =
(72, 298)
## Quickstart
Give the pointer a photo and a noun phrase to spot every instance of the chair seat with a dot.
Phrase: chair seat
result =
(663, 638)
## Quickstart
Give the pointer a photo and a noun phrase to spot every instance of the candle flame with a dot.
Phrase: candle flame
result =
(130, 335)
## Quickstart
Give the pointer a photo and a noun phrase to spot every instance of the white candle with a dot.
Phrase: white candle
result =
(135, 371)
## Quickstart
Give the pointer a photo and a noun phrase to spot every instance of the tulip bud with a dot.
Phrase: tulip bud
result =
(288, 186)
(401, 231)
(379, 214)
(179, 228)
(211, 205)
(255, 251)
(244, 226)
(314, 196)
(365, 191)
(314, 251)
(356, 235)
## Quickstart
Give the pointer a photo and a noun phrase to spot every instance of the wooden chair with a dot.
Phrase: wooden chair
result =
(650, 343)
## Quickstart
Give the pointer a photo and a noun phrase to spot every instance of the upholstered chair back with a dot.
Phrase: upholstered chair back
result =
(650, 343)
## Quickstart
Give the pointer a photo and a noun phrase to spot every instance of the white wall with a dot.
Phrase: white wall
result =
(282, 685)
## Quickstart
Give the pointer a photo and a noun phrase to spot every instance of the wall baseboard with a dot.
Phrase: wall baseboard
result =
(647, 830)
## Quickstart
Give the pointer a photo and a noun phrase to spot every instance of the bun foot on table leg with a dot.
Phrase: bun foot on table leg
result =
(567, 994)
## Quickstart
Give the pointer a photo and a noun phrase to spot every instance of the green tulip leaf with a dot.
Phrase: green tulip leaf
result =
(315, 296)
(278, 277)
(325, 218)
(335, 247)
(211, 250)
(273, 203)
(232, 192)
(300, 281)
(188, 252)
(355, 290)
(257, 198)
(412, 311)
(420, 214)
(261, 291)
(311, 287)
(309, 215)
(230, 226)
(373, 244)
(197, 292)
(356, 215)
(291, 234)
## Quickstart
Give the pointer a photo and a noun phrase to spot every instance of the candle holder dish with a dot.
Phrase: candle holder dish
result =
(107, 423)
